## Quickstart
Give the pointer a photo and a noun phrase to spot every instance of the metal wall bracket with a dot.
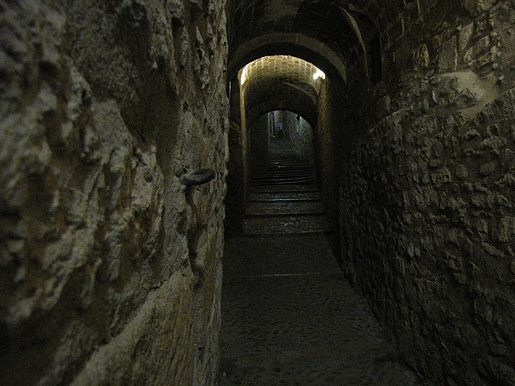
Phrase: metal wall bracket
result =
(197, 177)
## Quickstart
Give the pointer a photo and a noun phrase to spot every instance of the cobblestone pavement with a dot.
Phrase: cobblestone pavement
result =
(290, 318)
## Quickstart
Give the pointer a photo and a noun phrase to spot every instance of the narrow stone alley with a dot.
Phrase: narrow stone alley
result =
(289, 316)
(257, 192)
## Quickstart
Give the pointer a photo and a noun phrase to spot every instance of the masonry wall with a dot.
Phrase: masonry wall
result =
(330, 147)
(238, 168)
(259, 144)
(427, 198)
(109, 272)
(301, 135)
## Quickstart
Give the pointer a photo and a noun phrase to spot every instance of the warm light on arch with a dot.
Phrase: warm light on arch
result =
(286, 65)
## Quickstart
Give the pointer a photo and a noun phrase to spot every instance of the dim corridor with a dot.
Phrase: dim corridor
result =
(289, 317)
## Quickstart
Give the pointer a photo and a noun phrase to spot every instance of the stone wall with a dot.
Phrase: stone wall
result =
(259, 144)
(427, 203)
(109, 272)
(238, 168)
(330, 148)
(300, 134)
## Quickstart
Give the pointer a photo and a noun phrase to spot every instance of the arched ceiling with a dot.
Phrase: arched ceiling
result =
(281, 83)
(292, 44)
(331, 34)
(328, 33)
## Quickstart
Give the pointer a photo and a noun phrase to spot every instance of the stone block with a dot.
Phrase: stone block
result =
(465, 36)
(461, 171)
(96, 250)
(476, 7)
(448, 56)
(176, 9)
(156, 346)
(421, 58)
(506, 228)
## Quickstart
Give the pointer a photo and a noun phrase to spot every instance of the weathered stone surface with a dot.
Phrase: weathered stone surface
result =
(421, 58)
(465, 35)
(476, 7)
(176, 8)
(103, 258)
(433, 211)
(156, 346)
(448, 60)
(426, 202)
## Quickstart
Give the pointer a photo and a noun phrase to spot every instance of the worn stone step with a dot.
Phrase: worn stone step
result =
(286, 224)
(285, 196)
(284, 169)
(282, 173)
(296, 181)
(282, 166)
(286, 156)
(291, 188)
(281, 176)
(282, 207)
(281, 179)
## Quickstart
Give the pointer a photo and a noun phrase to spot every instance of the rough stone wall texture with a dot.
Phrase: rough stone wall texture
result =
(109, 273)
(427, 203)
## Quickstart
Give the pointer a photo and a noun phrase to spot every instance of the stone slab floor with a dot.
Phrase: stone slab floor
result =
(290, 318)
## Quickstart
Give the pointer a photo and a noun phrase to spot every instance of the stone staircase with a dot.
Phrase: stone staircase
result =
(284, 199)
(289, 317)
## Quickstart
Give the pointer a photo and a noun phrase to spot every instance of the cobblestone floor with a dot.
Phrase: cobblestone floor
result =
(290, 318)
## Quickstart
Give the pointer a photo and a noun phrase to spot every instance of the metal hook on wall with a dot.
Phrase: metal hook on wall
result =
(197, 177)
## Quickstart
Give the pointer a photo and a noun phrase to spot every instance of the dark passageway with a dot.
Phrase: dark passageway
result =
(412, 134)
(289, 317)
(359, 164)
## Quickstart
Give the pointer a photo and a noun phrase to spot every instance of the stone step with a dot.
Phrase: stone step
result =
(282, 172)
(286, 224)
(282, 175)
(284, 207)
(282, 178)
(296, 181)
(284, 169)
(278, 205)
(286, 165)
(285, 196)
(292, 188)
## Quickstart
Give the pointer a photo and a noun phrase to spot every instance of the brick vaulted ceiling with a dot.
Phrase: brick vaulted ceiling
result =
(281, 82)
